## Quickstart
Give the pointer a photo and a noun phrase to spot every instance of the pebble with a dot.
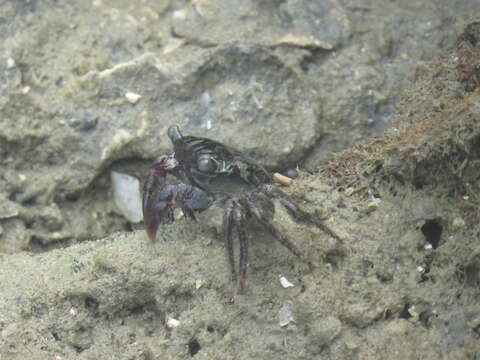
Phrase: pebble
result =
(370, 207)
(126, 196)
(8, 209)
(285, 315)
(172, 323)
(199, 283)
(282, 179)
(458, 223)
(292, 173)
(132, 97)
(179, 14)
(284, 282)
(10, 63)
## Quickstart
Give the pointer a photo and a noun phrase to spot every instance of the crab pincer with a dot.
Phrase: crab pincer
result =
(161, 198)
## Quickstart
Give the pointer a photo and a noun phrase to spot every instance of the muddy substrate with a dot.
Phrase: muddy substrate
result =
(404, 284)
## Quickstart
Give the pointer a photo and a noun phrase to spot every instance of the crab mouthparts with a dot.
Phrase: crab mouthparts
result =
(165, 163)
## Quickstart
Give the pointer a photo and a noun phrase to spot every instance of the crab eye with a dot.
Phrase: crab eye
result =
(206, 163)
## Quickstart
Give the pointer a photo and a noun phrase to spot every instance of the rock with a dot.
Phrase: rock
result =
(8, 209)
(81, 339)
(361, 314)
(285, 315)
(126, 196)
(319, 25)
(285, 282)
(15, 236)
(452, 325)
(132, 97)
(458, 223)
(51, 217)
(325, 330)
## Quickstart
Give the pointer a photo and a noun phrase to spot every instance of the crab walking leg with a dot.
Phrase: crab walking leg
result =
(304, 217)
(227, 234)
(296, 212)
(277, 235)
(239, 219)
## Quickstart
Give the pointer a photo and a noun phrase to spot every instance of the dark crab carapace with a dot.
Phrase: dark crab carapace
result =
(208, 172)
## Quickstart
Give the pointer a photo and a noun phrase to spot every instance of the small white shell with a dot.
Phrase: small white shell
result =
(428, 246)
(172, 323)
(132, 97)
(179, 14)
(284, 282)
(199, 283)
(10, 63)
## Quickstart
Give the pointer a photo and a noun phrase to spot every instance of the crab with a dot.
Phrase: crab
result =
(209, 173)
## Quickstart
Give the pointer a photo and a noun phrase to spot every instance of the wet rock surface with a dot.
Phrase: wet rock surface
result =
(89, 88)
(286, 82)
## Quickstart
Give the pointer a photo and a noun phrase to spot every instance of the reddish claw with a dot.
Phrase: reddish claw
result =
(160, 199)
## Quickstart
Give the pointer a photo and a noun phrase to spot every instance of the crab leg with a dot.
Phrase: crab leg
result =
(296, 212)
(260, 215)
(227, 234)
(239, 220)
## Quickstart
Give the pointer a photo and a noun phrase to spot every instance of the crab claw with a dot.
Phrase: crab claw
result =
(154, 215)
(157, 211)
(157, 196)
(160, 199)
